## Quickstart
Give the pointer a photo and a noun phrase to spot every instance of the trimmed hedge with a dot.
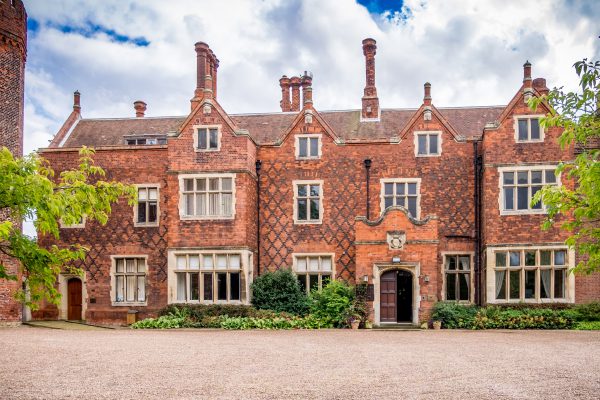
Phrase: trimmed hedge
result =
(334, 304)
(279, 291)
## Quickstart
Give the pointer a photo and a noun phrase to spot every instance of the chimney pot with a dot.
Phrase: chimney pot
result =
(307, 99)
(527, 73)
(427, 96)
(140, 108)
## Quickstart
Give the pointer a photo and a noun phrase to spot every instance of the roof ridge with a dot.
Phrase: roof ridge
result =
(132, 118)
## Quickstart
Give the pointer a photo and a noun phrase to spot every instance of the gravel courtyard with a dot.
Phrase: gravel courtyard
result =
(40, 363)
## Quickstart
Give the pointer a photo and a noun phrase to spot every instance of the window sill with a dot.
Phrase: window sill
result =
(529, 301)
(296, 222)
(308, 158)
(128, 304)
(530, 141)
(206, 218)
(523, 212)
(207, 150)
(208, 302)
(147, 225)
(427, 155)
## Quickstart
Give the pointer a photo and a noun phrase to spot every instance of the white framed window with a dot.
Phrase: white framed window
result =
(308, 146)
(209, 278)
(146, 212)
(128, 280)
(404, 192)
(518, 185)
(530, 275)
(428, 143)
(209, 196)
(527, 128)
(80, 224)
(314, 271)
(207, 138)
(308, 202)
(458, 277)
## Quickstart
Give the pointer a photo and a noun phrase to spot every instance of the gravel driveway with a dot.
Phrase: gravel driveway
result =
(334, 364)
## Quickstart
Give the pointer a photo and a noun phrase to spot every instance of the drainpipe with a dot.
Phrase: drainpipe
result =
(258, 165)
(477, 202)
(367, 169)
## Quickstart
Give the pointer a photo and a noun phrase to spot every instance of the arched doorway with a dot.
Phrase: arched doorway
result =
(74, 301)
(396, 296)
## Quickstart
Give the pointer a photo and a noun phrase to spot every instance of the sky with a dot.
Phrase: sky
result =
(118, 51)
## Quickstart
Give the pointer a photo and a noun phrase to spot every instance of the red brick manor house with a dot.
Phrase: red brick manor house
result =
(422, 204)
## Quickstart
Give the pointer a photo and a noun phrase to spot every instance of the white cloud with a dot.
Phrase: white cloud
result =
(471, 51)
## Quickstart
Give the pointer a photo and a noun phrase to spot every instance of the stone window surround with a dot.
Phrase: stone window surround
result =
(517, 168)
(416, 143)
(299, 136)
(516, 119)
(471, 272)
(246, 268)
(113, 281)
(378, 269)
(184, 217)
(135, 208)
(73, 226)
(382, 183)
(196, 141)
(490, 266)
(295, 184)
(295, 257)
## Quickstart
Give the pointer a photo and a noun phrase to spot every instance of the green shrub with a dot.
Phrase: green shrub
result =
(334, 304)
(587, 326)
(279, 291)
(454, 315)
(197, 312)
(588, 311)
(290, 322)
(162, 322)
(498, 318)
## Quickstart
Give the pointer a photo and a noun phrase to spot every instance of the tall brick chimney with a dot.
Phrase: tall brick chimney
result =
(284, 82)
(427, 94)
(207, 65)
(527, 82)
(140, 108)
(295, 82)
(77, 101)
(307, 99)
(540, 85)
(370, 101)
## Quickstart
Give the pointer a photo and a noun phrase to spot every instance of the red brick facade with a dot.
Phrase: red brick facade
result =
(267, 202)
(13, 51)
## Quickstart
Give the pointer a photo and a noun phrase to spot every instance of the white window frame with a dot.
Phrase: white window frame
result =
(307, 136)
(569, 284)
(382, 183)
(471, 274)
(196, 129)
(135, 208)
(520, 168)
(113, 280)
(245, 272)
(185, 217)
(427, 133)
(295, 184)
(528, 117)
(320, 272)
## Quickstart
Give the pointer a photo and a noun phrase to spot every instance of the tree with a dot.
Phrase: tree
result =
(578, 113)
(30, 190)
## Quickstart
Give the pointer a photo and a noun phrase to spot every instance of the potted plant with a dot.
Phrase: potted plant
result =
(437, 325)
(353, 316)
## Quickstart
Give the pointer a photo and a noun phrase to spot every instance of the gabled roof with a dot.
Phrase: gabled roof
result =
(269, 128)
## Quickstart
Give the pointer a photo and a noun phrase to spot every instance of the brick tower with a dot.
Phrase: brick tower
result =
(13, 51)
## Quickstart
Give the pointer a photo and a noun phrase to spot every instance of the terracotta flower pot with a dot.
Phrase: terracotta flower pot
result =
(437, 325)
(354, 324)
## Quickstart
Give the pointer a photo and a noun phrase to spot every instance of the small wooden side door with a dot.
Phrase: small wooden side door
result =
(388, 297)
(74, 299)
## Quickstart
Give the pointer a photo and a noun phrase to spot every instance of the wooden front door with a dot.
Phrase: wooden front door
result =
(74, 300)
(388, 296)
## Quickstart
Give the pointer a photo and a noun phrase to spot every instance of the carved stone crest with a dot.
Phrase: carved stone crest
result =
(396, 240)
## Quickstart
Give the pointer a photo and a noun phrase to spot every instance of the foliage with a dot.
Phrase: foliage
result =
(197, 312)
(162, 322)
(587, 326)
(30, 190)
(291, 322)
(361, 306)
(497, 318)
(587, 311)
(279, 291)
(578, 113)
(334, 304)
(454, 315)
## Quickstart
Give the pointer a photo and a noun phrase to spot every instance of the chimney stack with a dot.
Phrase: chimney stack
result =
(284, 82)
(540, 85)
(140, 108)
(77, 101)
(370, 101)
(307, 99)
(427, 97)
(527, 74)
(207, 65)
(295, 83)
